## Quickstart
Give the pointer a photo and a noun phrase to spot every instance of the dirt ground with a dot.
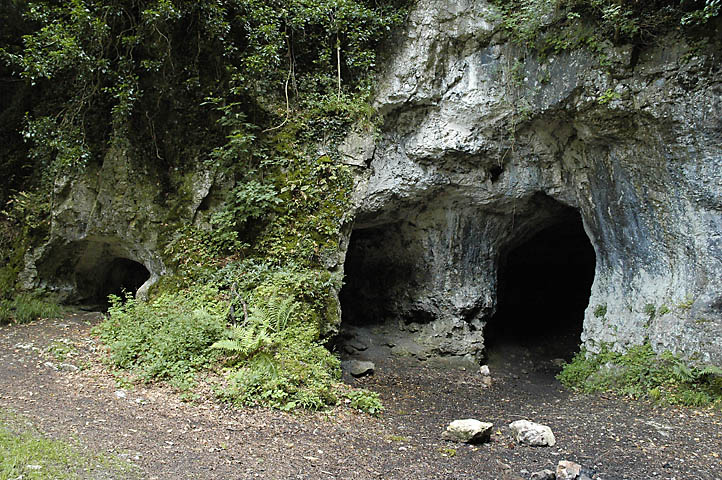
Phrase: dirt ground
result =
(170, 439)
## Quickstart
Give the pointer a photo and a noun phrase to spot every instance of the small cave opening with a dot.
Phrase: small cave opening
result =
(123, 275)
(114, 277)
(377, 268)
(543, 289)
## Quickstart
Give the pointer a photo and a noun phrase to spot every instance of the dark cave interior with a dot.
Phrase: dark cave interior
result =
(115, 277)
(123, 275)
(544, 285)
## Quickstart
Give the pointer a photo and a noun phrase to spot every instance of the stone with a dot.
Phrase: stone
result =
(468, 431)
(545, 474)
(484, 370)
(567, 470)
(532, 434)
(360, 368)
(68, 367)
(120, 394)
(357, 345)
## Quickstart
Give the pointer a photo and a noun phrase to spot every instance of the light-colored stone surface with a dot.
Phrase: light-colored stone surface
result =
(532, 434)
(473, 159)
(359, 368)
(567, 470)
(468, 431)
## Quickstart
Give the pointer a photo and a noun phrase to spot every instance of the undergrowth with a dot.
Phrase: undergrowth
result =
(26, 453)
(261, 334)
(642, 373)
(26, 307)
(168, 338)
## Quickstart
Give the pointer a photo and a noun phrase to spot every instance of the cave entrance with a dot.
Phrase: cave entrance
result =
(113, 276)
(544, 285)
(378, 268)
(122, 275)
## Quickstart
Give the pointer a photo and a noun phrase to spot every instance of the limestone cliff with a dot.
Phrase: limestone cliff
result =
(479, 151)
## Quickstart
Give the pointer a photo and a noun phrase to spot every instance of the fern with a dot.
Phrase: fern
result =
(261, 331)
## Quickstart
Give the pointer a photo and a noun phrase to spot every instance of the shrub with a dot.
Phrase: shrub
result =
(365, 401)
(275, 359)
(168, 338)
(641, 373)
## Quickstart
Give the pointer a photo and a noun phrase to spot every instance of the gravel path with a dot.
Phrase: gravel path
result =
(170, 439)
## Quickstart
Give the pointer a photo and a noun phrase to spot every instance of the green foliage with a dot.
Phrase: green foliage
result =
(608, 96)
(26, 307)
(365, 401)
(640, 372)
(447, 451)
(255, 89)
(168, 338)
(600, 311)
(556, 25)
(276, 360)
(22, 448)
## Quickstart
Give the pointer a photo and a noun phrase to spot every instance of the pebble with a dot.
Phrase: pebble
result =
(567, 470)
(545, 474)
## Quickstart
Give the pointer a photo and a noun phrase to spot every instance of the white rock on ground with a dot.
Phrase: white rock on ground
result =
(468, 431)
(567, 470)
(533, 434)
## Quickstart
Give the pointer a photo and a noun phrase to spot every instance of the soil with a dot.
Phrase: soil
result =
(170, 439)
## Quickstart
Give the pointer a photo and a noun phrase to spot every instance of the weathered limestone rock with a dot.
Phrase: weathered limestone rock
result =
(108, 227)
(458, 176)
(567, 470)
(359, 368)
(532, 434)
(468, 431)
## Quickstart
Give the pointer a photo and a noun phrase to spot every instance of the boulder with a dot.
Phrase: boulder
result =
(468, 431)
(360, 368)
(532, 434)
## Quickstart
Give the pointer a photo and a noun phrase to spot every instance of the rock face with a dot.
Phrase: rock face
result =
(482, 147)
(109, 228)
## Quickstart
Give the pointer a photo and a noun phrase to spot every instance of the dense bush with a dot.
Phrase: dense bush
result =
(640, 372)
(168, 338)
(260, 92)
(276, 359)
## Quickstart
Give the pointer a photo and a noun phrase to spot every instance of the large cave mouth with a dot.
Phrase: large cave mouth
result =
(544, 285)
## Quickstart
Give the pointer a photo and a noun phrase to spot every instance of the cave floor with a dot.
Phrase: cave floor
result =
(170, 439)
